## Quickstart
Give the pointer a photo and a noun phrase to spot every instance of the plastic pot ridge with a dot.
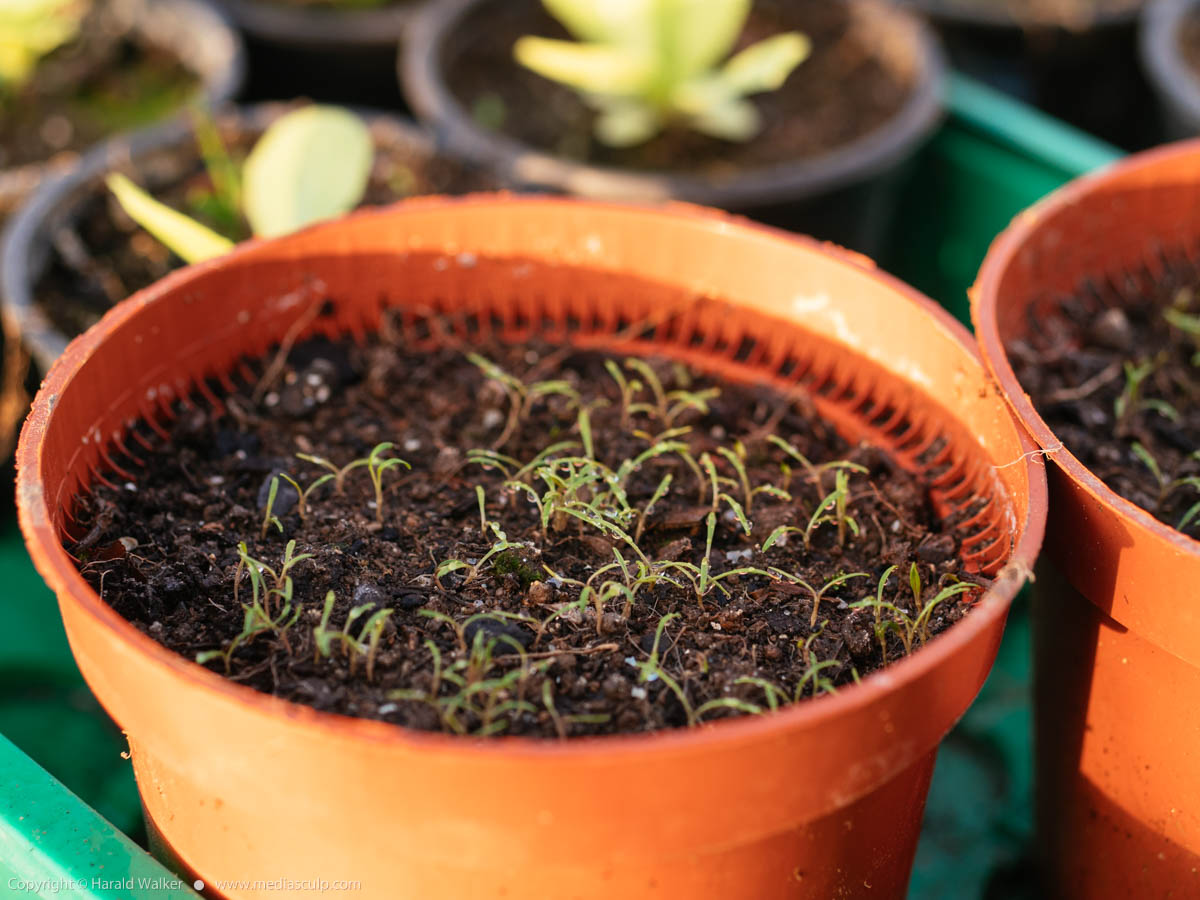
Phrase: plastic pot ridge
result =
(821, 799)
(1117, 612)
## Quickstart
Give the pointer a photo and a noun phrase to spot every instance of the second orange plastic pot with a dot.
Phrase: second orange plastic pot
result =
(1117, 598)
(822, 800)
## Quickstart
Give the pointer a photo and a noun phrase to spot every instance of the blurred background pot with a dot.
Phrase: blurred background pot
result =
(72, 252)
(191, 31)
(1116, 603)
(846, 194)
(820, 798)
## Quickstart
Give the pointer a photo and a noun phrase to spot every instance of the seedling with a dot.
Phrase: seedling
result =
(304, 493)
(280, 587)
(269, 518)
(338, 474)
(818, 595)
(1168, 486)
(913, 631)
(1189, 324)
(717, 482)
(477, 704)
(815, 473)
(257, 615)
(650, 670)
(521, 396)
(834, 509)
(665, 407)
(31, 30)
(737, 458)
(374, 462)
(1132, 401)
(367, 642)
(648, 64)
(377, 464)
(814, 668)
(309, 165)
(475, 569)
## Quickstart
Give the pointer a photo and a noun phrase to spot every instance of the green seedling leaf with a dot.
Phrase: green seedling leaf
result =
(186, 238)
(310, 165)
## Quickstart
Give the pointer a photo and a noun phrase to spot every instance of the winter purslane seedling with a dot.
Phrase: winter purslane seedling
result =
(309, 165)
(645, 65)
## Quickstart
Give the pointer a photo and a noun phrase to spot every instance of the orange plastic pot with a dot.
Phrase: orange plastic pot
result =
(823, 799)
(1117, 611)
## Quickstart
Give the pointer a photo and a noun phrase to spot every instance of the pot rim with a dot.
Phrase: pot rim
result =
(217, 88)
(986, 15)
(316, 28)
(1158, 46)
(984, 302)
(21, 263)
(60, 573)
(420, 71)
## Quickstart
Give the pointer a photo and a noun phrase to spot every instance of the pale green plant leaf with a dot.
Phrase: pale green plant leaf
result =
(187, 238)
(736, 120)
(766, 65)
(608, 21)
(595, 68)
(310, 165)
(703, 32)
(627, 124)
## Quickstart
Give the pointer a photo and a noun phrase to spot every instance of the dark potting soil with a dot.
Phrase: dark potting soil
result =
(104, 256)
(101, 83)
(857, 78)
(1110, 374)
(506, 647)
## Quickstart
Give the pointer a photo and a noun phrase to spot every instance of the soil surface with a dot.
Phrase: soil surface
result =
(105, 256)
(101, 83)
(856, 79)
(1115, 372)
(480, 628)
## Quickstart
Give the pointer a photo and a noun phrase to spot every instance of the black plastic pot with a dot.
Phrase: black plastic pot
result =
(25, 248)
(1175, 81)
(334, 55)
(193, 31)
(847, 196)
(1085, 73)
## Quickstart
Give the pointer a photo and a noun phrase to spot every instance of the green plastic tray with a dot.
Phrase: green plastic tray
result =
(993, 157)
